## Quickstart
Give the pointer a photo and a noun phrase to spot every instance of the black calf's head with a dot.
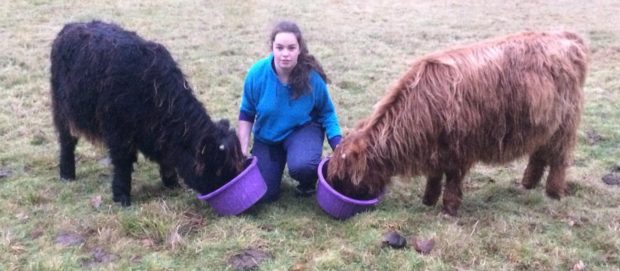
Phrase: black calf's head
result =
(223, 159)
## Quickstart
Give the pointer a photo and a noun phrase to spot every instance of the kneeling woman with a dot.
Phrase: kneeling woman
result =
(287, 105)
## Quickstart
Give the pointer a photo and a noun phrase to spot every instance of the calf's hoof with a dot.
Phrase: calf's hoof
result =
(429, 201)
(557, 195)
(66, 180)
(450, 211)
(124, 201)
(528, 185)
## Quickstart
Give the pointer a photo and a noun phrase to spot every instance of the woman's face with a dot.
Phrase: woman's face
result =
(285, 51)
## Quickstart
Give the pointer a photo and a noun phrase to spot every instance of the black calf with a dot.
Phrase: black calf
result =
(112, 86)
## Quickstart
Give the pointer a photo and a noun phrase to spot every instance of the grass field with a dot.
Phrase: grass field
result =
(46, 224)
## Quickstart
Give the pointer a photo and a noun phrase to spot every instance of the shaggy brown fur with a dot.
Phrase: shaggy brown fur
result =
(492, 102)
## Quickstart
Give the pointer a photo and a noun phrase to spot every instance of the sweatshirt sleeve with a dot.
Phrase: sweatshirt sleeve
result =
(247, 111)
(325, 109)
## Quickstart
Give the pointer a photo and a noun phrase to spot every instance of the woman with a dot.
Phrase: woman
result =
(287, 105)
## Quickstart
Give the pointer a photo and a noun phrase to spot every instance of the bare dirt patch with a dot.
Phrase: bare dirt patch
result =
(593, 137)
(99, 256)
(422, 246)
(4, 173)
(395, 240)
(68, 239)
(613, 178)
(249, 259)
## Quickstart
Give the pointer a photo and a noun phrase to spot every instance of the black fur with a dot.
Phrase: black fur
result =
(112, 86)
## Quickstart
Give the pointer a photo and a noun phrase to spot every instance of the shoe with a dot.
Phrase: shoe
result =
(304, 192)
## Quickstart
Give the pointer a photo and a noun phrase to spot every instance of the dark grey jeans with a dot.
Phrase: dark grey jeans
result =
(301, 151)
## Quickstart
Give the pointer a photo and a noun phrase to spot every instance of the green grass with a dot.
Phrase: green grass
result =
(364, 46)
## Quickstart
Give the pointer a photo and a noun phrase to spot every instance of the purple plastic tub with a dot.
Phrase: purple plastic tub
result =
(240, 193)
(335, 204)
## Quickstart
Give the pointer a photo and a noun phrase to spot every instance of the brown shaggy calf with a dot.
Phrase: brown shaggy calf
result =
(490, 102)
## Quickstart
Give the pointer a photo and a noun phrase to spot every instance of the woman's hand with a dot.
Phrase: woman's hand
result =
(334, 141)
(243, 132)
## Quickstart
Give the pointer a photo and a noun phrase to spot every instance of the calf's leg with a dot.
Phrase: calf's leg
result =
(556, 184)
(67, 144)
(453, 193)
(121, 179)
(534, 170)
(559, 161)
(123, 154)
(433, 189)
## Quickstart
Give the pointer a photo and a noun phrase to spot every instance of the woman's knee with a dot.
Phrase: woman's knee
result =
(303, 170)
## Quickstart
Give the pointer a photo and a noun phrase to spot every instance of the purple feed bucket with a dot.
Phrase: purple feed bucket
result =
(240, 193)
(336, 204)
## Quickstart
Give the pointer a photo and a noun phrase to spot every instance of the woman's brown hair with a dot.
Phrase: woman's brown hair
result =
(300, 76)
